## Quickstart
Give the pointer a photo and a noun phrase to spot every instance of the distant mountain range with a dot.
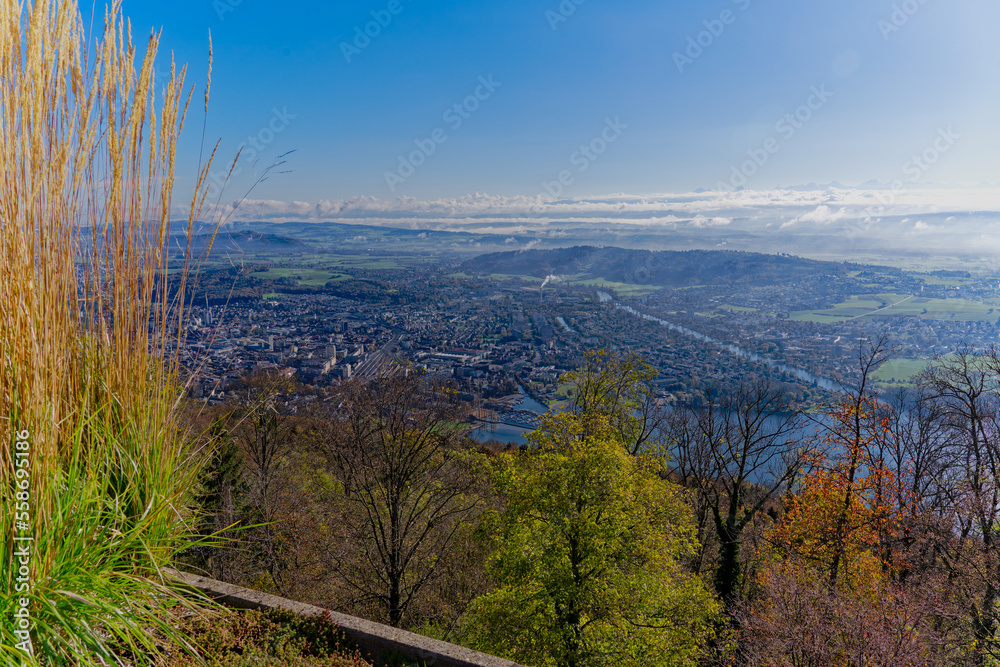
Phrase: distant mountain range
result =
(656, 268)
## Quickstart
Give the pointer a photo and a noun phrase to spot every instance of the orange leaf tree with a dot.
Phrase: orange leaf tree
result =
(844, 508)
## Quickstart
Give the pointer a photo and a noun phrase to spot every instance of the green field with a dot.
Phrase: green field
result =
(497, 276)
(947, 281)
(856, 306)
(335, 261)
(311, 277)
(565, 393)
(623, 289)
(321, 268)
(941, 309)
(898, 372)
(737, 309)
(888, 305)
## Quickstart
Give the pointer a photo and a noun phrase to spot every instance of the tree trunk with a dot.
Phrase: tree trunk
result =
(727, 576)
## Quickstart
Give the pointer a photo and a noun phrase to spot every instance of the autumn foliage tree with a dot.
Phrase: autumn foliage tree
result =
(834, 593)
(843, 506)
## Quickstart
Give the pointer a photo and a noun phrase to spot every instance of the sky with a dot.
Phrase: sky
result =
(400, 100)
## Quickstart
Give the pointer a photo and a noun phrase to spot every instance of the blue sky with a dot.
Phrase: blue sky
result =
(892, 76)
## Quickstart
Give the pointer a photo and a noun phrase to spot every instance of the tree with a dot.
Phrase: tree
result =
(919, 453)
(616, 391)
(260, 423)
(841, 588)
(587, 558)
(966, 385)
(408, 487)
(738, 451)
(833, 522)
(799, 622)
(853, 430)
(223, 490)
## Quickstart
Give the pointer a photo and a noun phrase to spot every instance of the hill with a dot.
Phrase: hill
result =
(244, 242)
(657, 268)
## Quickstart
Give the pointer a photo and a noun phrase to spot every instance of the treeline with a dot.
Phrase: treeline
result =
(629, 532)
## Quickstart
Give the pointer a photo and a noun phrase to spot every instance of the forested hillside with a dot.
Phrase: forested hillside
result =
(659, 268)
(629, 532)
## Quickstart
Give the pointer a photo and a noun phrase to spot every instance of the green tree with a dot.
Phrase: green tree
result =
(617, 391)
(587, 558)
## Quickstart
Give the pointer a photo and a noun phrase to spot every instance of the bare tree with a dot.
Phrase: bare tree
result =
(919, 452)
(261, 425)
(853, 429)
(800, 622)
(743, 449)
(408, 488)
(966, 384)
(692, 466)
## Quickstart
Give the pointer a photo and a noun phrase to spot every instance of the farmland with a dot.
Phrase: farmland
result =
(899, 305)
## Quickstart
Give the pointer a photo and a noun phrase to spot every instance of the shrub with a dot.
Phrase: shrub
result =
(253, 638)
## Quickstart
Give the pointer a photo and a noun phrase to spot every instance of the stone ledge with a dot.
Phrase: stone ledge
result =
(375, 640)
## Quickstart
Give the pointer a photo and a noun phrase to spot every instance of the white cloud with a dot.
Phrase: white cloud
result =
(762, 211)
(702, 221)
(822, 215)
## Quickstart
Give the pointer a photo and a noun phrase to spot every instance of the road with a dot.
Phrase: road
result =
(881, 309)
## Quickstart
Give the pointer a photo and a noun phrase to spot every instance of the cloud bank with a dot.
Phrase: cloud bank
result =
(964, 218)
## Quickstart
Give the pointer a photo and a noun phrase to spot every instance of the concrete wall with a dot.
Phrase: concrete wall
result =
(375, 640)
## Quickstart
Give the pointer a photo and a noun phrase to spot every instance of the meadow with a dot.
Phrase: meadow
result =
(313, 277)
(901, 305)
(900, 372)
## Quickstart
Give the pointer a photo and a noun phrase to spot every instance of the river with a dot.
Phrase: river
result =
(804, 375)
(508, 433)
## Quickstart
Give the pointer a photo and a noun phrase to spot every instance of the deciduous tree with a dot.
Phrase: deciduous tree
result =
(587, 558)
(738, 451)
(408, 487)
(616, 391)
